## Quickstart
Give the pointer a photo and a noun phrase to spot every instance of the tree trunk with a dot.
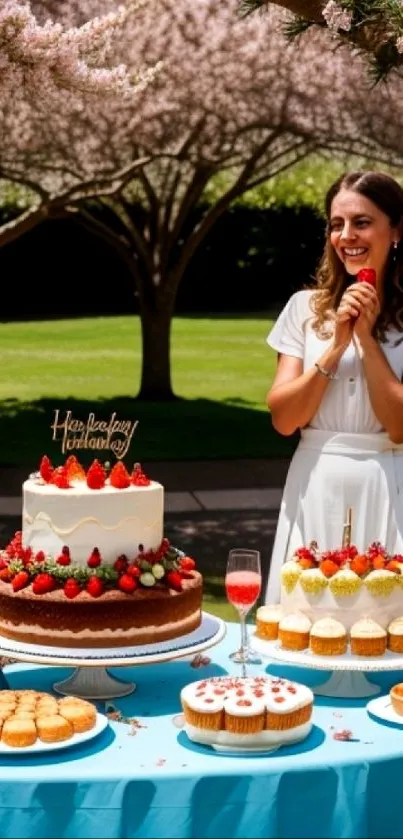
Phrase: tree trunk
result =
(156, 383)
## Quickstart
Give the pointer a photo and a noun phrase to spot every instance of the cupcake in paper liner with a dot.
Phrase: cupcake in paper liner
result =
(290, 574)
(313, 581)
(381, 583)
(345, 583)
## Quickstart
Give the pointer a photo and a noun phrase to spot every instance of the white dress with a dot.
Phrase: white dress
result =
(344, 458)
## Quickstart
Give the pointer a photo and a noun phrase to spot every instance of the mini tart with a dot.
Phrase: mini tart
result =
(313, 581)
(293, 631)
(345, 583)
(290, 574)
(267, 621)
(395, 635)
(396, 698)
(328, 637)
(367, 638)
(53, 728)
(18, 732)
(380, 583)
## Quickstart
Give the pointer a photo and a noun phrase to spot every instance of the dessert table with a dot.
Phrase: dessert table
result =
(142, 777)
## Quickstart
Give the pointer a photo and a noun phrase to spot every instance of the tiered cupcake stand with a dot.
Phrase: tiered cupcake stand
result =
(348, 679)
(91, 679)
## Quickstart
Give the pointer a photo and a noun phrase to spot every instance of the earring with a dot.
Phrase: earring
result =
(394, 252)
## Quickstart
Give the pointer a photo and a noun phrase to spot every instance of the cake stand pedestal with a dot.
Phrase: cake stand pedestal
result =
(348, 679)
(91, 679)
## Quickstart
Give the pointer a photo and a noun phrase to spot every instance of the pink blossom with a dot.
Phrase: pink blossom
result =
(336, 17)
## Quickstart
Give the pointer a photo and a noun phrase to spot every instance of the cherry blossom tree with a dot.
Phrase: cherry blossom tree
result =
(371, 27)
(45, 57)
(233, 100)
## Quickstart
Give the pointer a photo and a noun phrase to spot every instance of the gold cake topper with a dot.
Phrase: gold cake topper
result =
(347, 529)
(112, 435)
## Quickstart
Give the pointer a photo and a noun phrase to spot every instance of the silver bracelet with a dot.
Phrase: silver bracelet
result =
(326, 373)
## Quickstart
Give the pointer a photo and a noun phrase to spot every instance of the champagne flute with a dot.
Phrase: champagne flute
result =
(243, 582)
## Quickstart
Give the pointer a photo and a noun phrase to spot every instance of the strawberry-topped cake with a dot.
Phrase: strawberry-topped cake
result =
(343, 584)
(91, 566)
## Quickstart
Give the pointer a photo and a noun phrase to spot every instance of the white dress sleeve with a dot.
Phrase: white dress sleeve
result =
(288, 335)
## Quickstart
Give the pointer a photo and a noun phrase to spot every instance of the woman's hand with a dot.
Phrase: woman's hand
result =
(369, 307)
(357, 313)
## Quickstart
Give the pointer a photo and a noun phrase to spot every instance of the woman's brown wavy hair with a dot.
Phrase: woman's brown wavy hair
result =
(332, 279)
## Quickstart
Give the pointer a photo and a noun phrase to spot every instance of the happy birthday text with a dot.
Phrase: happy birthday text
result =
(112, 435)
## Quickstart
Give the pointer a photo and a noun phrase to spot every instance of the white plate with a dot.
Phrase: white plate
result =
(382, 708)
(306, 658)
(76, 740)
(245, 750)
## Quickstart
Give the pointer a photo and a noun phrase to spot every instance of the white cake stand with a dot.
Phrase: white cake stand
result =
(348, 679)
(91, 679)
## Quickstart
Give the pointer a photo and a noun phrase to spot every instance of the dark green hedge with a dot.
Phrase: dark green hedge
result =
(252, 260)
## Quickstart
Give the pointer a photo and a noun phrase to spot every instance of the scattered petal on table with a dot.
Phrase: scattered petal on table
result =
(161, 761)
(343, 734)
(178, 721)
(113, 713)
(200, 661)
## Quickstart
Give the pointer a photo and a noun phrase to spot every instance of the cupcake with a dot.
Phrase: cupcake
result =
(395, 635)
(345, 583)
(328, 637)
(396, 698)
(313, 581)
(267, 621)
(367, 638)
(290, 574)
(381, 582)
(293, 631)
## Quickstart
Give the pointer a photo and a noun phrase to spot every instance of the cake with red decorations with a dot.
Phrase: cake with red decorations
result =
(340, 587)
(91, 566)
(253, 711)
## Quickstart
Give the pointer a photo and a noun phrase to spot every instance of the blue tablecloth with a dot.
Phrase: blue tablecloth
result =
(148, 780)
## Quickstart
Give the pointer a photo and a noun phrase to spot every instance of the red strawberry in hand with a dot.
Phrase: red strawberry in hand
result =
(367, 275)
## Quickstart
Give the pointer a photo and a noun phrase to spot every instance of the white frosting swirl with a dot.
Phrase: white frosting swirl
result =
(246, 697)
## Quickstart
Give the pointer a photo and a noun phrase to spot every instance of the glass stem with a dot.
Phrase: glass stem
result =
(244, 639)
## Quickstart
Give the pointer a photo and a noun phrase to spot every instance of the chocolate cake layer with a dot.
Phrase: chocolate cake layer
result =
(114, 619)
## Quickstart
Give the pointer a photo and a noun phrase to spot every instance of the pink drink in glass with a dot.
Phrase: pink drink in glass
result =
(243, 588)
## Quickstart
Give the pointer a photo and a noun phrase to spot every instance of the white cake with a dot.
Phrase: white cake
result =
(116, 521)
(253, 712)
(351, 590)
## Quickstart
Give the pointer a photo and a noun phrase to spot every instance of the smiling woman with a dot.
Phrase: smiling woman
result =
(339, 379)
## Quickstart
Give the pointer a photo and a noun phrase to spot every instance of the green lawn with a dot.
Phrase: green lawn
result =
(221, 369)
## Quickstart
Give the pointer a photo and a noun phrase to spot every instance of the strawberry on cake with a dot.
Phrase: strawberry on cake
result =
(91, 567)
